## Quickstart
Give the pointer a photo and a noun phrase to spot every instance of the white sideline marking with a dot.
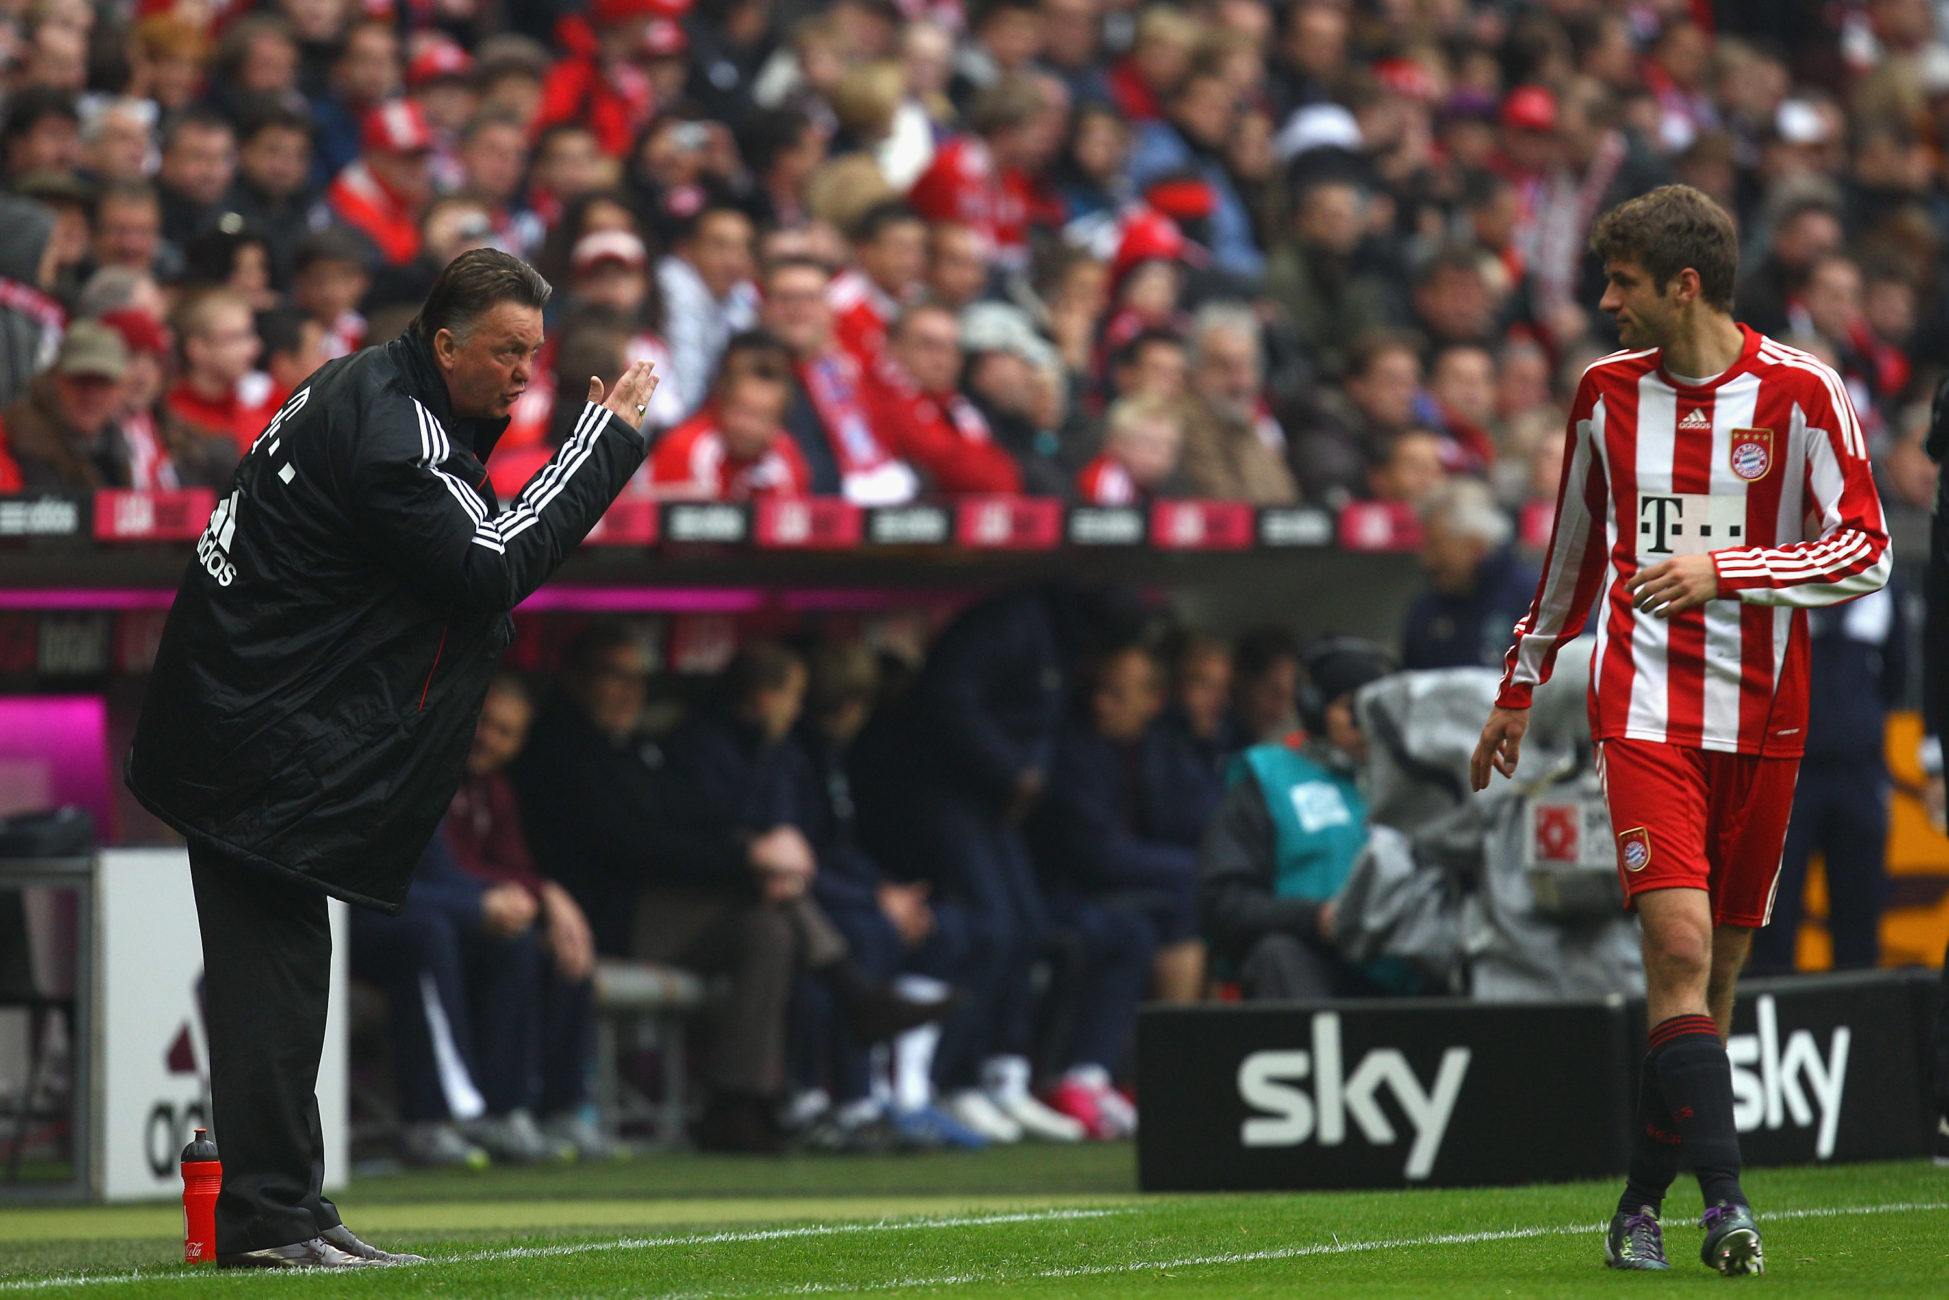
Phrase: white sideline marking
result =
(618, 1243)
(1260, 1256)
(969, 1221)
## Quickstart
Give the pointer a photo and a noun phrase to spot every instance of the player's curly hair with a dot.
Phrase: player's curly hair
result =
(1669, 229)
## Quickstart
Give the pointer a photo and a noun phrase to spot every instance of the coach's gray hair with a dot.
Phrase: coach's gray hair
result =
(1224, 318)
(1467, 507)
(472, 285)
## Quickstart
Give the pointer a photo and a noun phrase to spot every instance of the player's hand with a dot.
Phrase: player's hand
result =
(1675, 585)
(507, 910)
(631, 398)
(1935, 802)
(1501, 745)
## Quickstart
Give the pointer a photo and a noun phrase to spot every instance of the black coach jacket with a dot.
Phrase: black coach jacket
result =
(321, 671)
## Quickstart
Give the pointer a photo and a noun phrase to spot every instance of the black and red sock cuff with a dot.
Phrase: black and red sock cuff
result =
(1678, 1027)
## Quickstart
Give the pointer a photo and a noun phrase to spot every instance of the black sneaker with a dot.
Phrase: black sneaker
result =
(1635, 1241)
(1942, 1141)
(1732, 1241)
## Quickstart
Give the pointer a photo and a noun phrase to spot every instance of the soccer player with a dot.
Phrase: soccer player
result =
(1715, 485)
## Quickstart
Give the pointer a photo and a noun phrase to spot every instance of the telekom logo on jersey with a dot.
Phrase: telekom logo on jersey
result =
(1683, 523)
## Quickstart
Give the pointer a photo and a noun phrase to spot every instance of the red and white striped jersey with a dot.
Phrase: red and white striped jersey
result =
(1765, 469)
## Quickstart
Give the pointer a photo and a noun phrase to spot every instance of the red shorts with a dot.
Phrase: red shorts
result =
(1699, 819)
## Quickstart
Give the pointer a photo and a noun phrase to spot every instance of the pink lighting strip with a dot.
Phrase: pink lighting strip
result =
(564, 599)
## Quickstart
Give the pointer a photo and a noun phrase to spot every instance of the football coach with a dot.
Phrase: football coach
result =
(317, 684)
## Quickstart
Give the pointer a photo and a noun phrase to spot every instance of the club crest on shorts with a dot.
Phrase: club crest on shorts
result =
(1752, 453)
(1634, 848)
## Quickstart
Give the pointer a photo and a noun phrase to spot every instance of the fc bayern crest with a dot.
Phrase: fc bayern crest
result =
(1752, 453)
(1634, 848)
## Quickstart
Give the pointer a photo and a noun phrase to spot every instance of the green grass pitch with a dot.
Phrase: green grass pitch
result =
(1036, 1221)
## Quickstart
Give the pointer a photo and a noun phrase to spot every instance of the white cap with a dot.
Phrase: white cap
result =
(1799, 122)
(1318, 126)
(998, 327)
(608, 246)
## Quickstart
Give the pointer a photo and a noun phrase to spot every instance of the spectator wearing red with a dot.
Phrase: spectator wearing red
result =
(442, 80)
(1144, 438)
(220, 390)
(736, 448)
(331, 273)
(603, 83)
(1147, 277)
(160, 453)
(1160, 55)
(987, 179)
(834, 423)
(608, 290)
(609, 270)
(926, 419)
(1530, 155)
(380, 194)
(890, 255)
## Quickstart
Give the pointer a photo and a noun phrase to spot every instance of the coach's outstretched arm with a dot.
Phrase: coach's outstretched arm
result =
(423, 522)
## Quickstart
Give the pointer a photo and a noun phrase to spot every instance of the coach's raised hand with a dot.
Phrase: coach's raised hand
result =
(632, 395)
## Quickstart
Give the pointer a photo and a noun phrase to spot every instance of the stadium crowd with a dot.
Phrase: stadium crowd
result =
(1275, 251)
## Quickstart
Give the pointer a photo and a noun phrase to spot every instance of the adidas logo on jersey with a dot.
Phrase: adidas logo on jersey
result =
(1696, 420)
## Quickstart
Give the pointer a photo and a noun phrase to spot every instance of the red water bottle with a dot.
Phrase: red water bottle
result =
(202, 1178)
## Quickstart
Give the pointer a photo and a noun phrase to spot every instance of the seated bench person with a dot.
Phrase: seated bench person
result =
(461, 968)
(605, 819)
(896, 930)
(484, 828)
(731, 770)
(1285, 838)
(1119, 885)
